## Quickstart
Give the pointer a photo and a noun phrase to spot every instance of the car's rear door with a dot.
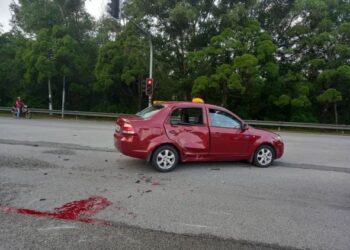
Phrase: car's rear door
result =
(227, 138)
(188, 127)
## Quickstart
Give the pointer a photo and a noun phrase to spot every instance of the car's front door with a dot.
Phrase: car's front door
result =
(227, 138)
(189, 130)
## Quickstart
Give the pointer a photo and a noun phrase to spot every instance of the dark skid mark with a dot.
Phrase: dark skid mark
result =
(25, 163)
(81, 210)
(60, 152)
(312, 166)
(54, 145)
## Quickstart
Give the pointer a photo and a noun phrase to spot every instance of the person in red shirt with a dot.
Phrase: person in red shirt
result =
(19, 106)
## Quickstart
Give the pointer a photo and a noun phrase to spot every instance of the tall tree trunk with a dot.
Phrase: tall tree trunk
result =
(63, 95)
(50, 96)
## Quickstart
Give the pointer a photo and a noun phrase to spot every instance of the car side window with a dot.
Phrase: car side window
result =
(222, 119)
(187, 116)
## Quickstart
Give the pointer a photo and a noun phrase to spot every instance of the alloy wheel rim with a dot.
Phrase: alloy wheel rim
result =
(264, 156)
(165, 159)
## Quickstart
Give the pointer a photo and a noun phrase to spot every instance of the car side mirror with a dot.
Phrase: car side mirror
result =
(245, 126)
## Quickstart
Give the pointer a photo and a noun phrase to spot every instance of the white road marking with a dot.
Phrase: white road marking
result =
(57, 228)
(194, 225)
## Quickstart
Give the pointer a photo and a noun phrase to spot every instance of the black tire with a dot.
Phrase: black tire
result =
(165, 158)
(264, 156)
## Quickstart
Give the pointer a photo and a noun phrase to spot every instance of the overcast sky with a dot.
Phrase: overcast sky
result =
(94, 7)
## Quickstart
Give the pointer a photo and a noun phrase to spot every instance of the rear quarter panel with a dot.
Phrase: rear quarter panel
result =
(150, 134)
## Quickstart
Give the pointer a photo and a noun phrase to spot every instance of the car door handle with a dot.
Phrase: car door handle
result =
(173, 132)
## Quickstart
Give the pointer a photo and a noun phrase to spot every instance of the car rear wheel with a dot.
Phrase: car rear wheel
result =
(165, 158)
(264, 156)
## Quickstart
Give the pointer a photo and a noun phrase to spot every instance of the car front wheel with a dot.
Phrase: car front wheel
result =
(165, 158)
(264, 156)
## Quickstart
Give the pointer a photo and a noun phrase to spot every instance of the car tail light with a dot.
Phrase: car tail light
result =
(127, 128)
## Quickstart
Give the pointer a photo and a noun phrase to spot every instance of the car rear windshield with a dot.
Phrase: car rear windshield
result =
(150, 111)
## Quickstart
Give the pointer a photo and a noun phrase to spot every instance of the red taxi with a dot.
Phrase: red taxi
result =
(171, 132)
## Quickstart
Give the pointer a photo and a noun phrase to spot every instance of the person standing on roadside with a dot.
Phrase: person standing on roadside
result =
(19, 106)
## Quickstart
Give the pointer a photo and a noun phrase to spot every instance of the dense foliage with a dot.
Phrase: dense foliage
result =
(269, 59)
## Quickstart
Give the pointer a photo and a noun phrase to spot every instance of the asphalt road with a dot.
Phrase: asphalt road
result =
(303, 201)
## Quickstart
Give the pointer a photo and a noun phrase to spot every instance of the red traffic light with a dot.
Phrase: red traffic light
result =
(149, 86)
(149, 81)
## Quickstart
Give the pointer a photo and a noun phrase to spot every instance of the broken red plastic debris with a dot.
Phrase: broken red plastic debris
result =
(80, 210)
(155, 183)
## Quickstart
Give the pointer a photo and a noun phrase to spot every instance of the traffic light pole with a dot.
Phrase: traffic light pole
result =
(150, 54)
(150, 67)
(49, 55)
(151, 50)
(115, 11)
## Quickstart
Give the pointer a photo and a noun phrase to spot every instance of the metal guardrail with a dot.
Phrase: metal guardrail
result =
(276, 124)
(299, 125)
(67, 112)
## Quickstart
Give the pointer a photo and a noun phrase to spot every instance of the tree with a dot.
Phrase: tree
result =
(59, 45)
(240, 62)
(331, 96)
(265, 59)
(120, 70)
(33, 15)
(11, 67)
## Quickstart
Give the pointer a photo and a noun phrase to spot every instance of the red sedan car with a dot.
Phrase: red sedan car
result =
(171, 132)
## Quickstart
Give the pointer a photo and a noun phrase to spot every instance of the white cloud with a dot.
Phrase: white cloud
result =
(96, 7)
(5, 14)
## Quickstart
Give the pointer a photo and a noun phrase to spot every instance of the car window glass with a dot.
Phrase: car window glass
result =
(222, 119)
(187, 116)
(148, 112)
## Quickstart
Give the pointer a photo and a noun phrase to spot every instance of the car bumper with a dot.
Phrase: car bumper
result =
(127, 145)
(279, 147)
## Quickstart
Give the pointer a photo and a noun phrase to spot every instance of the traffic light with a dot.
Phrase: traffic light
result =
(143, 86)
(149, 86)
(114, 8)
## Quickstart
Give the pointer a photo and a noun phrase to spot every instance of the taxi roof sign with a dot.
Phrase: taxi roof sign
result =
(198, 100)
(157, 102)
(195, 100)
